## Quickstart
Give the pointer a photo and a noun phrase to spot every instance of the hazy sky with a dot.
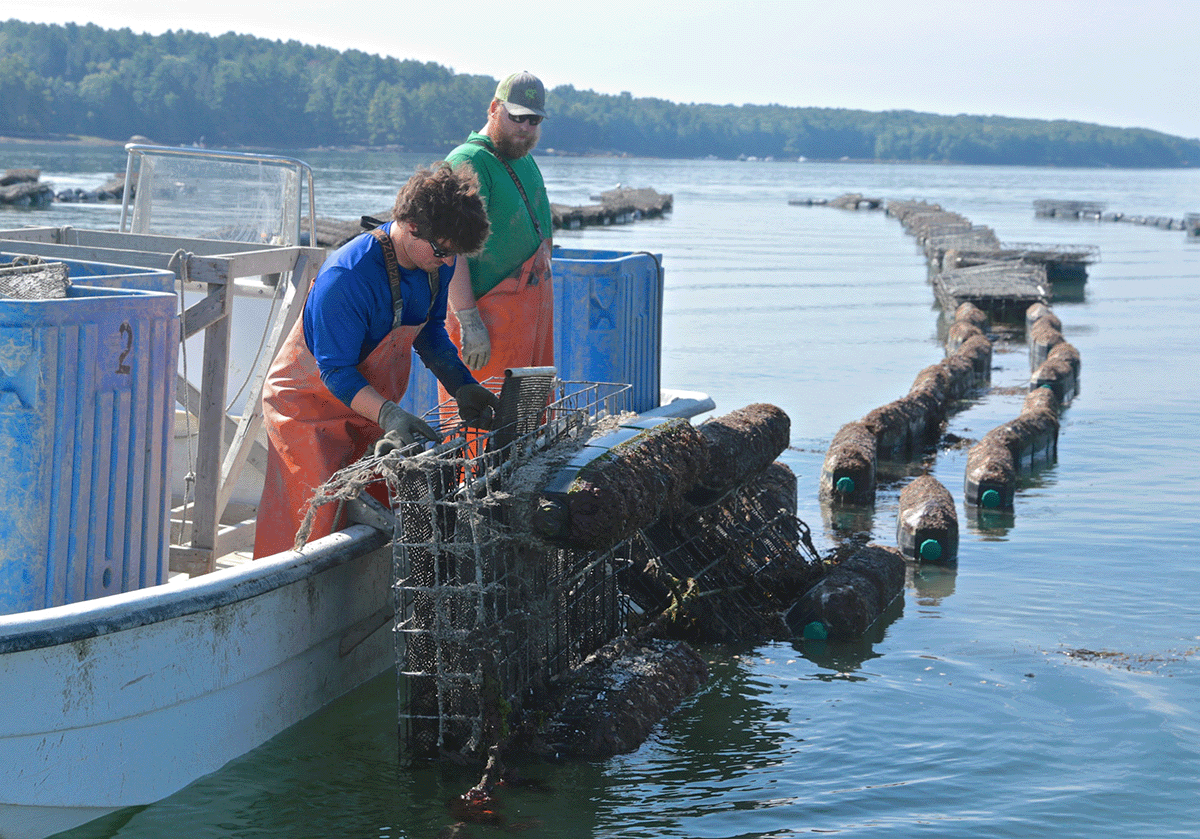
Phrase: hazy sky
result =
(1115, 62)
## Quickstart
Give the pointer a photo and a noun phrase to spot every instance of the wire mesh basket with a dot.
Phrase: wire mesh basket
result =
(729, 568)
(34, 280)
(486, 614)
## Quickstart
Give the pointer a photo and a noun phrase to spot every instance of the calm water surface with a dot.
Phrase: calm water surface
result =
(971, 712)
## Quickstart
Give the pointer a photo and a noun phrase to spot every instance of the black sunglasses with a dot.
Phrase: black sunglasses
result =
(532, 119)
(438, 253)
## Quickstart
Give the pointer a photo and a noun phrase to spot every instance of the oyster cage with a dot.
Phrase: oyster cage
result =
(720, 569)
(486, 614)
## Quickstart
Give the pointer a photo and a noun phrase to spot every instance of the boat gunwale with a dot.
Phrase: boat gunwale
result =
(85, 619)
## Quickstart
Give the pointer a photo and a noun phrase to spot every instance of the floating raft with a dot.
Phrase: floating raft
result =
(1009, 284)
(975, 239)
(951, 241)
(333, 233)
(846, 201)
(1064, 264)
(1096, 210)
(856, 201)
(616, 206)
(1057, 208)
(21, 188)
(1004, 290)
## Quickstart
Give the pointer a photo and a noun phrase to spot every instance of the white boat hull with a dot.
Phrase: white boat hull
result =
(127, 699)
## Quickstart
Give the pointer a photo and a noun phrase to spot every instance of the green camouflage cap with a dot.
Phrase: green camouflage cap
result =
(522, 93)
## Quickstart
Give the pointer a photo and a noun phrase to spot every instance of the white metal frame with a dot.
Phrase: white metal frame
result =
(222, 270)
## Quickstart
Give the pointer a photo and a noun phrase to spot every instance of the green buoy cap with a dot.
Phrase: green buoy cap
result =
(815, 631)
(990, 498)
(845, 485)
(931, 549)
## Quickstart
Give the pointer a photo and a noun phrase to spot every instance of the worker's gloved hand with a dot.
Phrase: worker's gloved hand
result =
(476, 405)
(476, 345)
(400, 429)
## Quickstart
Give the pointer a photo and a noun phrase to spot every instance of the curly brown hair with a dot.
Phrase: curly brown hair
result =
(443, 202)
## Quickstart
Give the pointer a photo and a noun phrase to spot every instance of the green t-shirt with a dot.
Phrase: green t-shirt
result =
(513, 238)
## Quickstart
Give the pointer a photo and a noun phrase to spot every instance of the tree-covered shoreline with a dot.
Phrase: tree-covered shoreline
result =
(231, 90)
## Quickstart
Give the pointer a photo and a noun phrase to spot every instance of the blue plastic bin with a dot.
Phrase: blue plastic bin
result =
(106, 275)
(422, 394)
(608, 320)
(607, 326)
(87, 400)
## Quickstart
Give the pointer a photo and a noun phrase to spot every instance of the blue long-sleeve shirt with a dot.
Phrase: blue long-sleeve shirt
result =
(349, 312)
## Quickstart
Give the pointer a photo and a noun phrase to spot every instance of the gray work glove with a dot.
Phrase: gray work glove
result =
(401, 429)
(476, 405)
(476, 345)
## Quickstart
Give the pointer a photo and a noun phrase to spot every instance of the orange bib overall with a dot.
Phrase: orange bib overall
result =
(519, 316)
(311, 433)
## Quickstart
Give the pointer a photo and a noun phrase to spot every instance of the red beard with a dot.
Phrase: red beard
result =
(514, 148)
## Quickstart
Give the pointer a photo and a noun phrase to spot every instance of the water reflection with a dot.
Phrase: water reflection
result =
(894, 474)
(847, 524)
(843, 658)
(988, 524)
(932, 583)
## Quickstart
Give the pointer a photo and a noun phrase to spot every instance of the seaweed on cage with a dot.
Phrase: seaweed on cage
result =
(726, 572)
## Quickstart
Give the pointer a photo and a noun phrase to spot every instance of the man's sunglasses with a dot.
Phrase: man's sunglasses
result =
(438, 252)
(532, 119)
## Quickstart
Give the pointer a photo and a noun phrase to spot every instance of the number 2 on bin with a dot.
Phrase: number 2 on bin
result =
(127, 333)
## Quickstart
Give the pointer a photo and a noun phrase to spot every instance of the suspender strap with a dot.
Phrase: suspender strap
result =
(393, 269)
(520, 187)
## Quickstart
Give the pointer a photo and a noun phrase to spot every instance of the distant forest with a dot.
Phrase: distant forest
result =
(232, 90)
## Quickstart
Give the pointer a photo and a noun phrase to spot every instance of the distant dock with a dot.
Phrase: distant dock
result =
(1055, 208)
(621, 205)
(615, 206)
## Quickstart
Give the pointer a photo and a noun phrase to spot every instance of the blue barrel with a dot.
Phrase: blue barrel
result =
(607, 326)
(87, 400)
(107, 275)
(608, 320)
(421, 398)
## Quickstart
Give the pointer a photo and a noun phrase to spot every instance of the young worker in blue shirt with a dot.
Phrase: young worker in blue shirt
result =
(332, 390)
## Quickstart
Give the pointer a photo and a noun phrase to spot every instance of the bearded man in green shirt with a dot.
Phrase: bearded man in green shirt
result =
(503, 299)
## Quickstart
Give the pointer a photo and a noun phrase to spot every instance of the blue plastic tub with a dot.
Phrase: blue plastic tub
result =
(421, 398)
(106, 275)
(607, 326)
(87, 399)
(608, 320)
